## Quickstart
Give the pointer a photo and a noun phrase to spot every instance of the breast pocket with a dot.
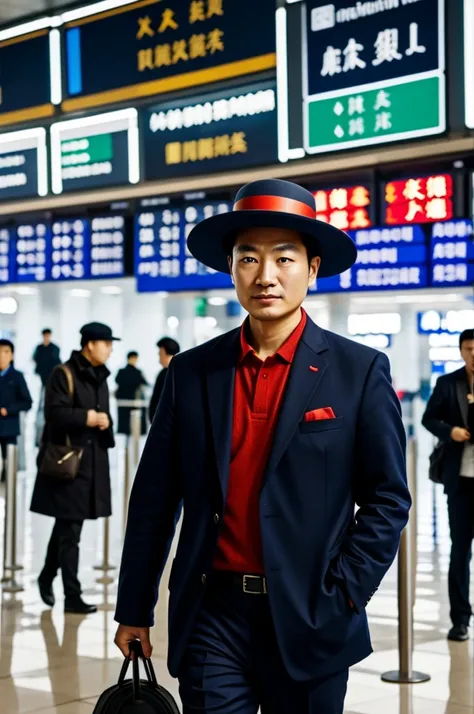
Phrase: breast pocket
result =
(313, 427)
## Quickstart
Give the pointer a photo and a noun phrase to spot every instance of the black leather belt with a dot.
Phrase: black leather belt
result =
(248, 584)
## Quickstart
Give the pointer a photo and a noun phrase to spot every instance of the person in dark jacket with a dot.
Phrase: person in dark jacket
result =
(14, 398)
(130, 382)
(85, 419)
(46, 357)
(449, 417)
(167, 349)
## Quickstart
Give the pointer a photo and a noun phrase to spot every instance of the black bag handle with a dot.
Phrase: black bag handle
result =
(135, 648)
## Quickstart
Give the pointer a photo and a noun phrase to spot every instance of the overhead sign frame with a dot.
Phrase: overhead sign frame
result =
(108, 123)
(17, 141)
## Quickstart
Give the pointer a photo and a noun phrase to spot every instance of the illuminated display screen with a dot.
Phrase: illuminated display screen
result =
(23, 164)
(33, 252)
(95, 152)
(346, 207)
(452, 253)
(392, 258)
(425, 199)
(162, 260)
(7, 256)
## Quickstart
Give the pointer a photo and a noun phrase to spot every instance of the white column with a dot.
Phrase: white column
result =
(183, 308)
(405, 352)
(144, 323)
(338, 313)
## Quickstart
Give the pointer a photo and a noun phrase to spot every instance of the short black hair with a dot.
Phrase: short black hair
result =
(132, 354)
(8, 343)
(466, 336)
(47, 331)
(170, 346)
(312, 247)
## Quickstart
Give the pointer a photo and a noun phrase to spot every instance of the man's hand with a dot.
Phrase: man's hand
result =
(460, 434)
(3, 412)
(92, 418)
(103, 421)
(126, 634)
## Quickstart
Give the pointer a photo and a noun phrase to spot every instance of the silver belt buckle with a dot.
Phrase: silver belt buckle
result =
(245, 580)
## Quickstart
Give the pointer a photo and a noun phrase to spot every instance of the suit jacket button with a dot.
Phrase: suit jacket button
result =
(216, 518)
(203, 578)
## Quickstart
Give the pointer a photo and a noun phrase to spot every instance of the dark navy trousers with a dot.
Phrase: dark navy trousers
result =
(232, 664)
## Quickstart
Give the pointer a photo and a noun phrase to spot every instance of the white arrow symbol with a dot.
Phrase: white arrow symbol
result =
(338, 109)
(339, 131)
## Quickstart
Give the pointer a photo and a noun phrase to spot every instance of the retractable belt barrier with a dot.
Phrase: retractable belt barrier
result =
(10, 565)
(407, 559)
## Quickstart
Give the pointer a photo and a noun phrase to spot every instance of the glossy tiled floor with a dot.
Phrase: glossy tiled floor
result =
(52, 663)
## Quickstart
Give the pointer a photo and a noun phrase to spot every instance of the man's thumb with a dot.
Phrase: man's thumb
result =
(146, 645)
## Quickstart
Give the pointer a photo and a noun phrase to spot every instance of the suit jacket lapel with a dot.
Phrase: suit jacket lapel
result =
(220, 379)
(461, 393)
(306, 375)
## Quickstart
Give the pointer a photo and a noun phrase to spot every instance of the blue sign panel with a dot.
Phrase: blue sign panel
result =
(71, 249)
(218, 131)
(25, 78)
(162, 260)
(107, 247)
(23, 164)
(387, 259)
(452, 253)
(154, 47)
(33, 252)
(7, 256)
(358, 43)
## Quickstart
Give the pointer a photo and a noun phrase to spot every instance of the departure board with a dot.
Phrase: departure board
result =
(452, 254)
(7, 256)
(162, 260)
(392, 258)
(33, 252)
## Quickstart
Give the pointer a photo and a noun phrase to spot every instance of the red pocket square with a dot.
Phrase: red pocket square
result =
(319, 414)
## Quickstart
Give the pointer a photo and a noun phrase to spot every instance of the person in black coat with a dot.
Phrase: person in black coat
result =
(167, 349)
(14, 398)
(130, 382)
(449, 416)
(85, 419)
(46, 357)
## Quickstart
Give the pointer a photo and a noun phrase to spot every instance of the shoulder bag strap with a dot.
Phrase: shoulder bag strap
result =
(70, 383)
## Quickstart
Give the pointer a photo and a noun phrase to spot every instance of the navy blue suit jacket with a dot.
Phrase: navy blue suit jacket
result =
(318, 553)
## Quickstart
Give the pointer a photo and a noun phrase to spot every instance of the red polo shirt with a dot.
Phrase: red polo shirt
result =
(258, 395)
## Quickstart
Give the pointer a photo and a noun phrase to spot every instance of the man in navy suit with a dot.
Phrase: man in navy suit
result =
(270, 435)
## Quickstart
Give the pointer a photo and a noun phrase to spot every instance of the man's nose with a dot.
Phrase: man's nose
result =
(267, 273)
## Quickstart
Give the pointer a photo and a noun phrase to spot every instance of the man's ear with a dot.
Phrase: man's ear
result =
(230, 263)
(314, 266)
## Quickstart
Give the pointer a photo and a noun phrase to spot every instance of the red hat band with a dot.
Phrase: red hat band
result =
(280, 204)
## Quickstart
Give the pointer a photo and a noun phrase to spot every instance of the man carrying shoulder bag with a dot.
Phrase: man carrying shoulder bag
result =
(73, 482)
(449, 416)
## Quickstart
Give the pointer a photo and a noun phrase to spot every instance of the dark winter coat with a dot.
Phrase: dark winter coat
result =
(15, 398)
(46, 358)
(130, 381)
(157, 390)
(88, 495)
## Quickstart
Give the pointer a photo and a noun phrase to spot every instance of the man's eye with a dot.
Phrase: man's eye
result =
(248, 259)
(285, 260)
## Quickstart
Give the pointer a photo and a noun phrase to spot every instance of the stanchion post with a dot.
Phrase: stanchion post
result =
(136, 432)
(10, 566)
(406, 584)
(126, 481)
(105, 567)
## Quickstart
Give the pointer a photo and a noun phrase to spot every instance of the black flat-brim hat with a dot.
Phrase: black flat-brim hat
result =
(272, 203)
(95, 331)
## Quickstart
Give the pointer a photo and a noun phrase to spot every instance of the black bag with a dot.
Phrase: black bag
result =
(60, 462)
(133, 696)
(435, 471)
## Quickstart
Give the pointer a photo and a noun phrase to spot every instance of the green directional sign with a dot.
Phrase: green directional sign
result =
(363, 116)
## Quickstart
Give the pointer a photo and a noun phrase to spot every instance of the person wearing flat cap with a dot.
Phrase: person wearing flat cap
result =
(285, 444)
(77, 415)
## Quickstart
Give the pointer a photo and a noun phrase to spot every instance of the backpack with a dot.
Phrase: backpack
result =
(130, 696)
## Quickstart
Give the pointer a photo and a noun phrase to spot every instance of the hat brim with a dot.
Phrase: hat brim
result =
(207, 240)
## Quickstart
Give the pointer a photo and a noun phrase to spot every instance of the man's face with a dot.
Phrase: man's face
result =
(6, 358)
(133, 360)
(270, 271)
(467, 353)
(100, 351)
(163, 357)
(47, 338)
